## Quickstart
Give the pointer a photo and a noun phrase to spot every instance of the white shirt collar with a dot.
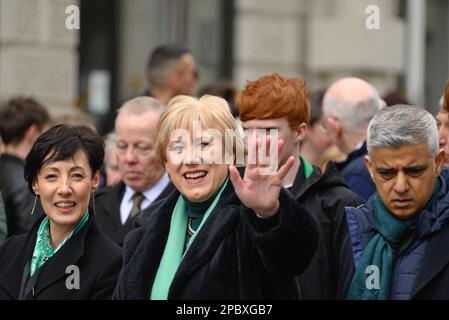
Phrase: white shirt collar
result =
(150, 195)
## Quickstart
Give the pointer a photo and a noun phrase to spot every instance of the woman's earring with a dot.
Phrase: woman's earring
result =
(34, 204)
(93, 202)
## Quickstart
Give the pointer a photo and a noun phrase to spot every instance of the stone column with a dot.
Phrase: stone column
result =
(38, 54)
(268, 38)
(340, 44)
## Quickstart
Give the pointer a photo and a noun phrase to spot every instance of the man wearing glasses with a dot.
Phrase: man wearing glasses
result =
(143, 178)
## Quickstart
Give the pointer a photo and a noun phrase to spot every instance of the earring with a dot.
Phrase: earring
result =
(34, 204)
(93, 202)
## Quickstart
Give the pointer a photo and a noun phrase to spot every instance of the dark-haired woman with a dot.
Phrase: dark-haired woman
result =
(64, 256)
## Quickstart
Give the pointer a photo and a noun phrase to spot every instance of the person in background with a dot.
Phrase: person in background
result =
(397, 243)
(171, 70)
(3, 225)
(112, 171)
(219, 235)
(283, 104)
(64, 256)
(226, 90)
(348, 106)
(316, 142)
(442, 119)
(22, 120)
(143, 178)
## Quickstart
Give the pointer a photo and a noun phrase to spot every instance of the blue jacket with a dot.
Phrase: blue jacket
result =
(421, 270)
(358, 179)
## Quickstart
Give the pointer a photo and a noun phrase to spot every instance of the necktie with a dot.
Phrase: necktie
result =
(137, 201)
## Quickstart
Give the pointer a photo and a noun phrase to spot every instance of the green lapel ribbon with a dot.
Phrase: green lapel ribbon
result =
(43, 249)
(174, 248)
(381, 251)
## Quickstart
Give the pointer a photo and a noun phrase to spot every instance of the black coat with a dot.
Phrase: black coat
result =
(17, 196)
(107, 211)
(234, 256)
(325, 196)
(97, 257)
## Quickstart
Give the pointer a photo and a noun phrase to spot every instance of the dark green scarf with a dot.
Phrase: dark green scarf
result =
(382, 250)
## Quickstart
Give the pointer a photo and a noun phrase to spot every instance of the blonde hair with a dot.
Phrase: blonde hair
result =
(182, 111)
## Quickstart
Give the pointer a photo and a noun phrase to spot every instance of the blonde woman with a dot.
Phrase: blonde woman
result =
(224, 233)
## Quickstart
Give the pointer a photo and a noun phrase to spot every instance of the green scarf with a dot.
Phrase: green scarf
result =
(43, 249)
(174, 248)
(381, 251)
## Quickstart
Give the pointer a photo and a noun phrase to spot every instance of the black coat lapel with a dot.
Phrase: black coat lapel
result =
(435, 259)
(12, 277)
(55, 268)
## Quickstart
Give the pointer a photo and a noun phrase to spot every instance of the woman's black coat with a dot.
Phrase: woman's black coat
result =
(234, 256)
(97, 258)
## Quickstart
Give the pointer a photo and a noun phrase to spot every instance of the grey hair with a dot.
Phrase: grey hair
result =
(141, 105)
(400, 125)
(109, 143)
(353, 115)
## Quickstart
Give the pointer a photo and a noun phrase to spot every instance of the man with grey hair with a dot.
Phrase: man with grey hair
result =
(143, 178)
(171, 71)
(396, 247)
(348, 106)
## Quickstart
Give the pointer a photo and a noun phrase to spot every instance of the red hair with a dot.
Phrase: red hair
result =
(274, 96)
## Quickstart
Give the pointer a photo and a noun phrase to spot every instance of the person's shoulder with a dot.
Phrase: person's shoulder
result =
(333, 189)
(13, 245)
(15, 240)
(356, 166)
(100, 242)
(111, 190)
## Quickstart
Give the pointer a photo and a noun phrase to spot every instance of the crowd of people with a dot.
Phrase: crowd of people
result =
(268, 192)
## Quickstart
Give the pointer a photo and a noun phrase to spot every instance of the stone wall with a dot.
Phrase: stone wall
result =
(319, 40)
(38, 54)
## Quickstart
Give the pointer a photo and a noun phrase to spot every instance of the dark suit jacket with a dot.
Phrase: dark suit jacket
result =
(107, 211)
(96, 256)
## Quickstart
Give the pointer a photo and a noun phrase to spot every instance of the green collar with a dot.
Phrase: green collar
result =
(308, 168)
(43, 249)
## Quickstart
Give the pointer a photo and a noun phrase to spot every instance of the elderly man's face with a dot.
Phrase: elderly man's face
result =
(137, 162)
(404, 177)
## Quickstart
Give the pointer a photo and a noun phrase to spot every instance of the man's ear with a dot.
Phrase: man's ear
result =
(369, 166)
(32, 134)
(439, 160)
(173, 79)
(300, 131)
(334, 125)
